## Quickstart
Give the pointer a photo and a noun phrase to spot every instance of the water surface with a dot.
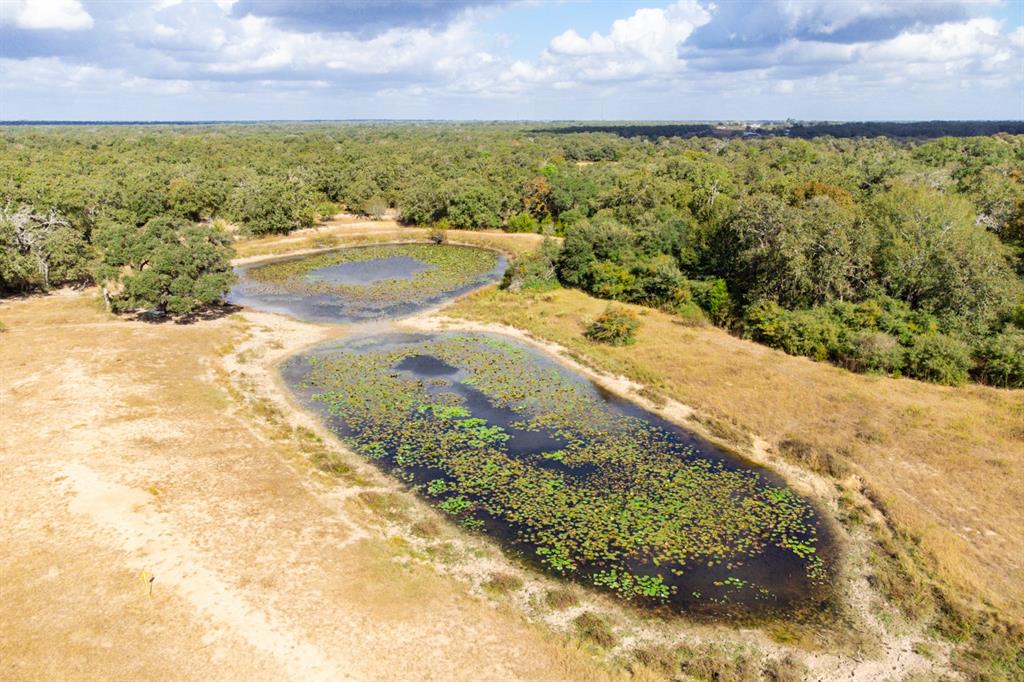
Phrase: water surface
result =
(360, 290)
(733, 579)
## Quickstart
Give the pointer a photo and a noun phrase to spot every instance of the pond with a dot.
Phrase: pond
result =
(365, 283)
(575, 481)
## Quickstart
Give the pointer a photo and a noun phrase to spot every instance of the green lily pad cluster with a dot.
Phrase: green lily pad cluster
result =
(613, 498)
(450, 268)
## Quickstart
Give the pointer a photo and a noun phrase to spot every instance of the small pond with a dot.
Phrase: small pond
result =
(573, 480)
(365, 283)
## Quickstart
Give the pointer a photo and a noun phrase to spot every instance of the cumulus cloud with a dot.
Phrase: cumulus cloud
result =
(364, 17)
(772, 22)
(426, 53)
(641, 45)
(64, 15)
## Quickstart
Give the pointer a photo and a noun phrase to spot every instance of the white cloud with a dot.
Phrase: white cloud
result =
(811, 50)
(650, 36)
(642, 48)
(66, 15)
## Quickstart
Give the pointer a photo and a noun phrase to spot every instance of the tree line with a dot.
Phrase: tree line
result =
(879, 254)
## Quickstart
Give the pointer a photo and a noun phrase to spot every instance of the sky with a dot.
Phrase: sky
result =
(511, 60)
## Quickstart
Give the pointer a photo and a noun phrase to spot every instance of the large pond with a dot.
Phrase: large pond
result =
(574, 480)
(365, 283)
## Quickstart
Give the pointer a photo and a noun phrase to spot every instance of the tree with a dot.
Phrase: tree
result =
(933, 255)
(170, 265)
(1002, 360)
(265, 205)
(197, 195)
(471, 204)
(38, 250)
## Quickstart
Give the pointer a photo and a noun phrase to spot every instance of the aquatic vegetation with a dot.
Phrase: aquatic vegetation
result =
(448, 268)
(585, 486)
(366, 281)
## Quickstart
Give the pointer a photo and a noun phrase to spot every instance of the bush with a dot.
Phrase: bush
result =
(939, 358)
(615, 326)
(591, 626)
(267, 205)
(712, 296)
(872, 351)
(503, 583)
(437, 236)
(1002, 360)
(608, 279)
(561, 598)
(523, 222)
(534, 271)
(810, 332)
(658, 282)
(376, 207)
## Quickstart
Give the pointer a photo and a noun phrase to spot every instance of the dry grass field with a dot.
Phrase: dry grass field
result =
(133, 451)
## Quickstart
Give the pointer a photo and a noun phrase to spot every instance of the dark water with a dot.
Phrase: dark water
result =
(781, 571)
(334, 309)
(369, 271)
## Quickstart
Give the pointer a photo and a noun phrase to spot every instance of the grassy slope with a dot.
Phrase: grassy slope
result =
(945, 464)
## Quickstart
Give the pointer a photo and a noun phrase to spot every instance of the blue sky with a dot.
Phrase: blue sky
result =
(526, 59)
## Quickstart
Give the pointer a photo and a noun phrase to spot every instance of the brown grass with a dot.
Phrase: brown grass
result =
(944, 464)
(592, 627)
(188, 477)
(561, 598)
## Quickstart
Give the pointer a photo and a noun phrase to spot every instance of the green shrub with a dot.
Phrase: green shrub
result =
(658, 282)
(712, 296)
(523, 222)
(872, 351)
(266, 205)
(437, 235)
(533, 271)
(615, 326)
(811, 332)
(325, 209)
(611, 280)
(939, 358)
(1002, 360)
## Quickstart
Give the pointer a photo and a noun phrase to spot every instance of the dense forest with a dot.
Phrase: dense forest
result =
(898, 256)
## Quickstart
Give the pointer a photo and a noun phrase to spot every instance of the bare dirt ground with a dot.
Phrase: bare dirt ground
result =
(128, 453)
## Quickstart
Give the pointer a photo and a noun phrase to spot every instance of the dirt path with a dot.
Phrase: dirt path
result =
(126, 456)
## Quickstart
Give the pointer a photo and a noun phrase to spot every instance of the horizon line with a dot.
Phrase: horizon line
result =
(55, 121)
